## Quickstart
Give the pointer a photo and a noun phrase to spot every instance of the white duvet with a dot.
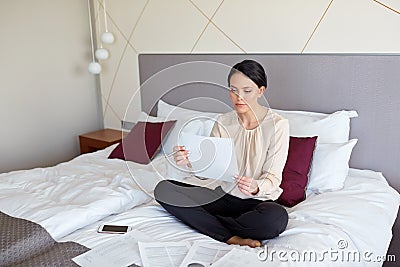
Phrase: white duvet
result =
(70, 195)
(72, 199)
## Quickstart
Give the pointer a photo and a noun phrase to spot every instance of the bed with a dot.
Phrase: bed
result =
(350, 224)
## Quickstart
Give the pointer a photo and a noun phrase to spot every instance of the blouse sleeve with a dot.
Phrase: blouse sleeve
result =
(271, 177)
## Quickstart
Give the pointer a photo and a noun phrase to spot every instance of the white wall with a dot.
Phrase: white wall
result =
(236, 26)
(47, 97)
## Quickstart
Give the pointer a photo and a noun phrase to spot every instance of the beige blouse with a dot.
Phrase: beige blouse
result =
(261, 152)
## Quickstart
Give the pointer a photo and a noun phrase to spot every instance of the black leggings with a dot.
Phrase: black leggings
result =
(220, 215)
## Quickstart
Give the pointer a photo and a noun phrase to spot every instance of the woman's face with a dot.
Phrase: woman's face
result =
(244, 93)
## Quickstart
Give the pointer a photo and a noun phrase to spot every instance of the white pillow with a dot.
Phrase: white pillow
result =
(188, 116)
(330, 128)
(193, 127)
(143, 116)
(330, 166)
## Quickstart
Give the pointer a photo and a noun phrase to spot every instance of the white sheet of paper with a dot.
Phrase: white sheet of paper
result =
(211, 157)
(205, 253)
(166, 254)
(239, 258)
(120, 251)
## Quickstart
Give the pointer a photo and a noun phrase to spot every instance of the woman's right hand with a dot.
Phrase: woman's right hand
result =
(181, 156)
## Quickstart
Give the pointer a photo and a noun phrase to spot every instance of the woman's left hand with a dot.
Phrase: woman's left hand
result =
(247, 185)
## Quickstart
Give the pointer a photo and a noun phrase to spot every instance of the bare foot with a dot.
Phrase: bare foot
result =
(236, 240)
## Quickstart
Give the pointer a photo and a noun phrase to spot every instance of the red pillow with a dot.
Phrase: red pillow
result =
(143, 142)
(295, 173)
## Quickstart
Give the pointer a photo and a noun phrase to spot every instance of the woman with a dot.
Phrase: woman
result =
(244, 213)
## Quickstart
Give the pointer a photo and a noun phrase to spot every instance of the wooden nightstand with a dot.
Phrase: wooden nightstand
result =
(93, 141)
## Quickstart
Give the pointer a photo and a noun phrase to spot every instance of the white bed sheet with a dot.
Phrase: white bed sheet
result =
(356, 219)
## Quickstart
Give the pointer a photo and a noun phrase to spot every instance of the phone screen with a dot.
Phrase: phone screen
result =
(115, 228)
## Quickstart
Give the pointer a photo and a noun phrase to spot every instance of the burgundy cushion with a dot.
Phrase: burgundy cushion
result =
(295, 173)
(143, 142)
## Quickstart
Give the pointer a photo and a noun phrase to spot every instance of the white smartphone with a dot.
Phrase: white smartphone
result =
(114, 229)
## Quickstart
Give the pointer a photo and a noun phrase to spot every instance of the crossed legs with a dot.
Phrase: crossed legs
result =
(221, 216)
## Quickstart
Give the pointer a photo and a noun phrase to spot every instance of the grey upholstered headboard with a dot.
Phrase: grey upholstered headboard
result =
(369, 84)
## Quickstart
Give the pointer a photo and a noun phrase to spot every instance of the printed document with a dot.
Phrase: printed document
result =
(120, 251)
(239, 258)
(165, 254)
(205, 253)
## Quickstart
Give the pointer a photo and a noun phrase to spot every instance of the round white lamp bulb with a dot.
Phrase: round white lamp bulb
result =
(101, 54)
(94, 68)
(107, 37)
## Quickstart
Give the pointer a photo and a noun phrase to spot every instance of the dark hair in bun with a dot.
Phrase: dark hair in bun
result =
(252, 69)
